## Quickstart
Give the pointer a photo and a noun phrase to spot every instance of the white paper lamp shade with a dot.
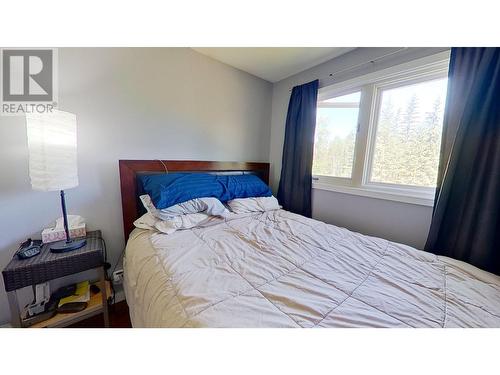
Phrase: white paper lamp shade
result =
(52, 150)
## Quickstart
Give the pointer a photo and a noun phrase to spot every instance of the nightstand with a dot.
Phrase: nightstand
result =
(49, 266)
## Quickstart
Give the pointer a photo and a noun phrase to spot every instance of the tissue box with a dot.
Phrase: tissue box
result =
(56, 234)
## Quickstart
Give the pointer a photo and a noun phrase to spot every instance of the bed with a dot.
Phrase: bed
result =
(279, 269)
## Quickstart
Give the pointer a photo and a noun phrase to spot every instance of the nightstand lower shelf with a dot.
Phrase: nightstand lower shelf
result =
(95, 306)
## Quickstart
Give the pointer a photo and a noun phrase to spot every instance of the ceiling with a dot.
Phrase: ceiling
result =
(273, 63)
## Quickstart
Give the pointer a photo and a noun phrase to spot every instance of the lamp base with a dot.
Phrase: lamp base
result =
(64, 246)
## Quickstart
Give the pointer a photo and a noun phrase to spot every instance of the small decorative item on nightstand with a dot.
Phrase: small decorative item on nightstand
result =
(76, 226)
(53, 163)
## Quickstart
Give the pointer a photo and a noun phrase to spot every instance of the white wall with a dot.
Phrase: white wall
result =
(141, 103)
(401, 222)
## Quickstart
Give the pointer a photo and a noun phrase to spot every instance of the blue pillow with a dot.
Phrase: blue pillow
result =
(168, 189)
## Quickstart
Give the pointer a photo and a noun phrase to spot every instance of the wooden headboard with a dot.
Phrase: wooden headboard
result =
(130, 168)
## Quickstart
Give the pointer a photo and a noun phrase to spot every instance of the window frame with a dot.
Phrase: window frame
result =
(343, 181)
(371, 86)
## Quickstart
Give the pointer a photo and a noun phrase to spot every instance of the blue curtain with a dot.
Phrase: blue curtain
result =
(466, 218)
(294, 192)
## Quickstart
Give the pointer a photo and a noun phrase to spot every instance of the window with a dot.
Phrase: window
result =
(380, 135)
(408, 134)
(336, 125)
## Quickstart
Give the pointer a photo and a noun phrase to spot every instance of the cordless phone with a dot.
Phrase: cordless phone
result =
(29, 248)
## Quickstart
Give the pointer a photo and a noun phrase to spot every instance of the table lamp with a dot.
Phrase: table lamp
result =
(53, 162)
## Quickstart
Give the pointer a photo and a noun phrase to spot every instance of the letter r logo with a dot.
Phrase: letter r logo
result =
(27, 75)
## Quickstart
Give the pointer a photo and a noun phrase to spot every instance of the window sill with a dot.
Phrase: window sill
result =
(377, 194)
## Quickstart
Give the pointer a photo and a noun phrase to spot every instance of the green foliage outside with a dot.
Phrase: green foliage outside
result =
(407, 145)
(332, 156)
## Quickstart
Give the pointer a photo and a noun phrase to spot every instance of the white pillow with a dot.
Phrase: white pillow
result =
(257, 204)
(169, 226)
(210, 206)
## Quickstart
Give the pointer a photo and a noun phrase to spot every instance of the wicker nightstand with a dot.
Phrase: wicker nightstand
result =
(49, 266)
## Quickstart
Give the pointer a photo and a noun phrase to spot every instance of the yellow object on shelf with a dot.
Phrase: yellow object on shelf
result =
(82, 294)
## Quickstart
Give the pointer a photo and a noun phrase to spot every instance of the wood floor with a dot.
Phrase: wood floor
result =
(118, 318)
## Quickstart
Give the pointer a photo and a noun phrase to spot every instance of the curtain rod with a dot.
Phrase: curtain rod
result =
(373, 61)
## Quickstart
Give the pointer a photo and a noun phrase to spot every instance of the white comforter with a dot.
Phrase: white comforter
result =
(278, 269)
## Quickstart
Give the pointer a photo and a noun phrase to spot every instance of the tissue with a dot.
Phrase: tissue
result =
(76, 226)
